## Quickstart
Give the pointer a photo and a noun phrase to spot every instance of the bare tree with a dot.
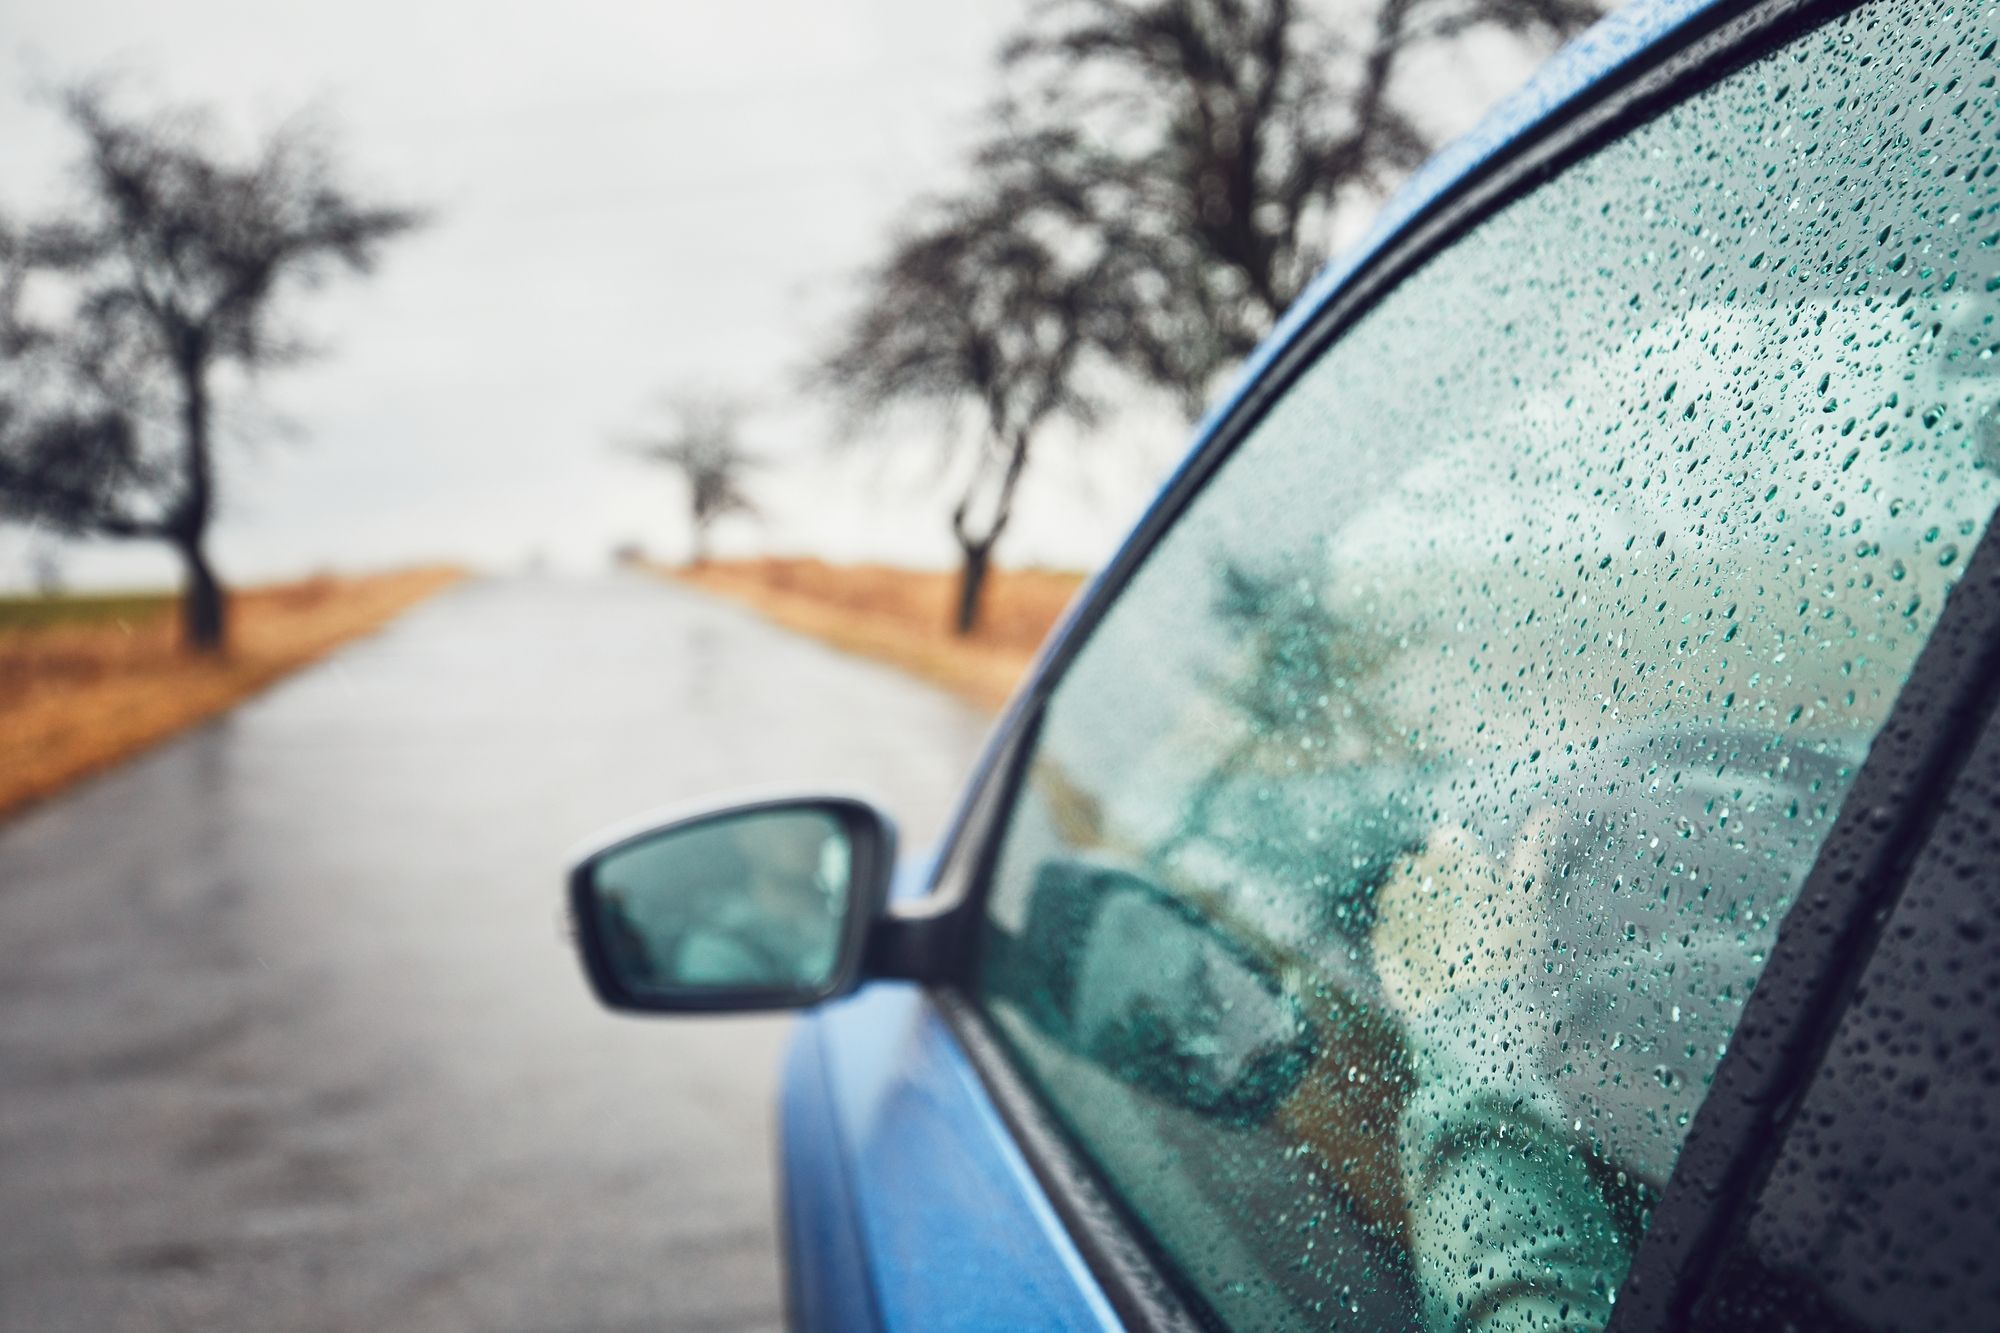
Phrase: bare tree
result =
(175, 263)
(987, 307)
(1216, 138)
(703, 442)
(1158, 187)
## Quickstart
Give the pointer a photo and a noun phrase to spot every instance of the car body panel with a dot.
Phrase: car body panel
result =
(907, 1204)
(880, 1104)
(827, 1275)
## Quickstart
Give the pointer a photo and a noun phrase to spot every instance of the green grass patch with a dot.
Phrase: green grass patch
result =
(97, 608)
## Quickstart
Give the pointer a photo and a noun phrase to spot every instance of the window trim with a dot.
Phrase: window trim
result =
(1824, 940)
(1962, 835)
(1823, 945)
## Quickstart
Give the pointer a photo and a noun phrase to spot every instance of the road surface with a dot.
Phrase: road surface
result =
(288, 1037)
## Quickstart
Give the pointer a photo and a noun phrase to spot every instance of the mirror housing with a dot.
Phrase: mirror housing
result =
(752, 905)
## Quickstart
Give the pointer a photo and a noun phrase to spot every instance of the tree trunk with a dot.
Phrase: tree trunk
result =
(204, 614)
(971, 585)
(204, 609)
(978, 549)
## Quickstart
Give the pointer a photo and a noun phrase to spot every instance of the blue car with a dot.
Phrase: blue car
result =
(1509, 842)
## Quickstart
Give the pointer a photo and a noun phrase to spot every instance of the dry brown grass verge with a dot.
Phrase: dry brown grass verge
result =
(903, 616)
(79, 693)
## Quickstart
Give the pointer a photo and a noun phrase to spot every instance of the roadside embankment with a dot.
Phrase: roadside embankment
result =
(903, 616)
(86, 681)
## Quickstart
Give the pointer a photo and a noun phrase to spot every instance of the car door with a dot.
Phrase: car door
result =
(1420, 880)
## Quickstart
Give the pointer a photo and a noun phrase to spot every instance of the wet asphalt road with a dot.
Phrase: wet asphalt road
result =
(288, 1038)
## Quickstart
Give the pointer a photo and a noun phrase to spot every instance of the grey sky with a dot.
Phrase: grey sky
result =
(629, 197)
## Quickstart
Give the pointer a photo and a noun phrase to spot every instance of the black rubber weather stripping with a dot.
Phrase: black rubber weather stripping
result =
(1822, 946)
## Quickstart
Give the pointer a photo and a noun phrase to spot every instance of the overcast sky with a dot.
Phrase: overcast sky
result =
(629, 197)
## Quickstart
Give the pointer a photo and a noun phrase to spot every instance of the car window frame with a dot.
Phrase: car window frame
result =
(1824, 940)
(1963, 835)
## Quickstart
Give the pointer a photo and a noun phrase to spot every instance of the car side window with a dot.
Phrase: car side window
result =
(1399, 851)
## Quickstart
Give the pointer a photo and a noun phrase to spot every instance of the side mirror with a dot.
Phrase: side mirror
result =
(761, 905)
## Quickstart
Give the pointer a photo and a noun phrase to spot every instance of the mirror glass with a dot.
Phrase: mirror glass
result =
(748, 900)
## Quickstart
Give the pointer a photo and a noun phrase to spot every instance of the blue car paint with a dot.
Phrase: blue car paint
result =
(828, 1279)
(955, 1229)
(908, 1205)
